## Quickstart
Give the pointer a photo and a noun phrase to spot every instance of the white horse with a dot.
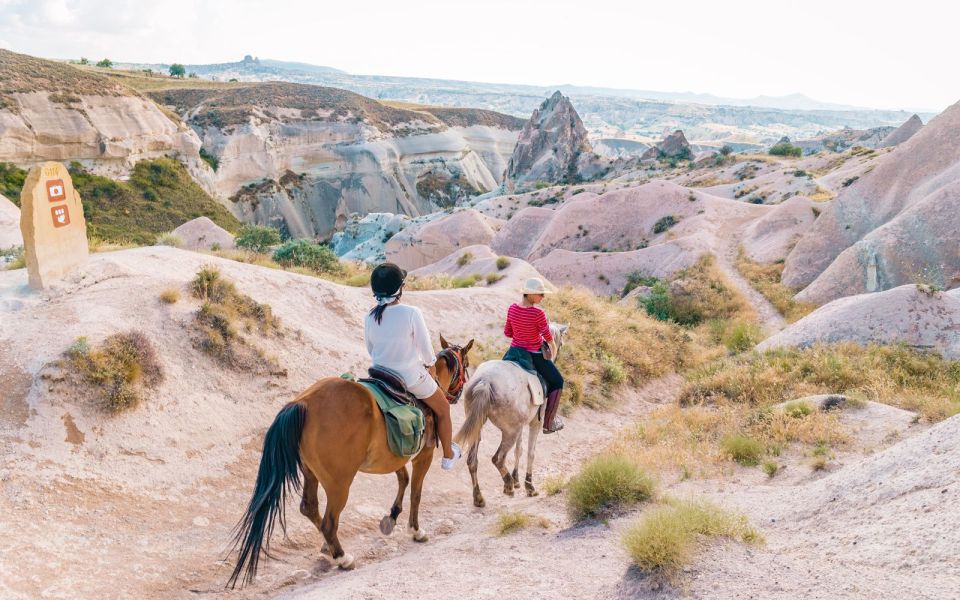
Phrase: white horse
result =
(510, 398)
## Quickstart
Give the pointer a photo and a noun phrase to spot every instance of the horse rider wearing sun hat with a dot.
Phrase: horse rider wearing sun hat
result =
(397, 338)
(529, 328)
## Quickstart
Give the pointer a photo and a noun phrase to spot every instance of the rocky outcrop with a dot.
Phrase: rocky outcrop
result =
(674, 145)
(364, 238)
(203, 234)
(10, 235)
(52, 111)
(846, 138)
(909, 314)
(771, 237)
(902, 133)
(421, 244)
(898, 224)
(550, 145)
(303, 158)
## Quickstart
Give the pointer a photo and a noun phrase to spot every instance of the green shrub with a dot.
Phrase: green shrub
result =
(309, 255)
(636, 279)
(492, 278)
(743, 449)
(607, 483)
(465, 281)
(786, 149)
(122, 367)
(657, 304)
(554, 485)
(502, 263)
(665, 538)
(664, 224)
(257, 238)
(511, 521)
(210, 159)
(464, 259)
(12, 178)
(797, 409)
(770, 468)
(168, 239)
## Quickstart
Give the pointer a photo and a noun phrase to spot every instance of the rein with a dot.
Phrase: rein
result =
(456, 384)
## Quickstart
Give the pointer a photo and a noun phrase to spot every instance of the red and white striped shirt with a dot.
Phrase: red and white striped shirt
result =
(528, 327)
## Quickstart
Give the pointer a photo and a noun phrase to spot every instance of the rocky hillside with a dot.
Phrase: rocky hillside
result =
(894, 225)
(302, 157)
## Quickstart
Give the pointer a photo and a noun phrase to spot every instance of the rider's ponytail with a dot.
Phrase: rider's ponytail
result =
(382, 303)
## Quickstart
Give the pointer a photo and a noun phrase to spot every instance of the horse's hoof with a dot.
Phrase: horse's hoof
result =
(532, 492)
(479, 502)
(324, 548)
(508, 490)
(387, 524)
(345, 562)
(418, 535)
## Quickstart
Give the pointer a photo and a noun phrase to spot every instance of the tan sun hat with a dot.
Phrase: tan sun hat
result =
(534, 285)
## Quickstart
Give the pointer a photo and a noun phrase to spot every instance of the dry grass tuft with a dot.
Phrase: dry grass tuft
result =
(510, 522)
(170, 296)
(225, 316)
(766, 280)
(607, 483)
(123, 367)
(665, 539)
(554, 485)
(743, 449)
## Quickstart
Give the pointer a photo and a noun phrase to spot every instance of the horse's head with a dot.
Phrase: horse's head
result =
(558, 332)
(456, 360)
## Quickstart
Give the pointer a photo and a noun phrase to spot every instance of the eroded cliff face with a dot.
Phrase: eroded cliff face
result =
(303, 158)
(552, 145)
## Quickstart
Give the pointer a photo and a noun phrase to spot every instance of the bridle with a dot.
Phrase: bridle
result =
(460, 379)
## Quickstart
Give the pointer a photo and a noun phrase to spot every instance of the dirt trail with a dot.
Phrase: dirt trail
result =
(770, 318)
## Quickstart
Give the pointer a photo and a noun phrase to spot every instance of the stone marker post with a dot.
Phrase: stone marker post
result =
(51, 220)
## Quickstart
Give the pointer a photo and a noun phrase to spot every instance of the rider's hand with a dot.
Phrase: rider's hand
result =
(432, 369)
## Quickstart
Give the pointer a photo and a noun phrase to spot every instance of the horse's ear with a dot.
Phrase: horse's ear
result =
(564, 328)
(443, 342)
(467, 347)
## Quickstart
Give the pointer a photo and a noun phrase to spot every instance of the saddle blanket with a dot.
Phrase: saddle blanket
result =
(405, 423)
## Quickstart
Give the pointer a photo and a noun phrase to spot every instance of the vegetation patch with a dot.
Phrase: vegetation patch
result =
(257, 238)
(665, 223)
(309, 255)
(606, 484)
(743, 449)
(666, 538)
(786, 149)
(765, 278)
(609, 345)
(159, 196)
(464, 259)
(695, 295)
(121, 369)
(502, 263)
(225, 320)
(170, 296)
(12, 178)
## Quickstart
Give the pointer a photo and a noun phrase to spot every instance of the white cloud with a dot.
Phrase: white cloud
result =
(880, 53)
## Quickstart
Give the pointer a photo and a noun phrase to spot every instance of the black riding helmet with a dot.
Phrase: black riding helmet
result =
(387, 279)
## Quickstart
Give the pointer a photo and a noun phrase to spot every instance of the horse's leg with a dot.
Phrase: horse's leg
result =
(507, 441)
(421, 464)
(516, 461)
(309, 504)
(337, 492)
(390, 521)
(472, 464)
(531, 448)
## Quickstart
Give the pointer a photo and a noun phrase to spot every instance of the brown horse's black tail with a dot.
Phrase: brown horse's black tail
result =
(280, 468)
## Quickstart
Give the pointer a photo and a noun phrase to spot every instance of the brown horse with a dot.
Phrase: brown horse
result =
(330, 432)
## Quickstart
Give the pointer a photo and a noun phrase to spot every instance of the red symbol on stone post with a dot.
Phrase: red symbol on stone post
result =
(61, 216)
(55, 190)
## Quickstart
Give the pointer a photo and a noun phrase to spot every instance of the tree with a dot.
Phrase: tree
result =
(177, 70)
(257, 238)
(193, 75)
(105, 63)
(84, 61)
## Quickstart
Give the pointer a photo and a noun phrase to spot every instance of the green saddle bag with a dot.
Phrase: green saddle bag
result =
(405, 423)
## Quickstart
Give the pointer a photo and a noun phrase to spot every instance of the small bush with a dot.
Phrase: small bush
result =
(492, 278)
(309, 255)
(770, 468)
(510, 522)
(743, 449)
(502, 263)
(636, 279)
(800, 173)
(786, 149)
(122, 367)
(739, 336)
(168, 239)
(210, 159)
(607, 483)
(464, 259)
(257, 238)
(765, 278)
(797, 409)
(665, 538)
(665, 223)
(697, 294)
(170, 296)
(466, 281)
(554, 485)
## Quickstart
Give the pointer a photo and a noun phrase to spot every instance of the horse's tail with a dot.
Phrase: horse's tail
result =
(480, 395)
(279, 471)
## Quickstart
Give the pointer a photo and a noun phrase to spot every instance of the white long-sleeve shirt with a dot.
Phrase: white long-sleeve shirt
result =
(400, 342)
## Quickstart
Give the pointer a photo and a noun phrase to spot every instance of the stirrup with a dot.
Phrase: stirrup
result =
(557, 425)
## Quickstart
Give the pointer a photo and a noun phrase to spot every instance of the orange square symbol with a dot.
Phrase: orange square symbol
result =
(56, 192)
(61, 216)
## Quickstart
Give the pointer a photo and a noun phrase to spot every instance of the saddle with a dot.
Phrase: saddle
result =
(390, 382)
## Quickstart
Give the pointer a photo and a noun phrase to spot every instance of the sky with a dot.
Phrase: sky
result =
(880, 53)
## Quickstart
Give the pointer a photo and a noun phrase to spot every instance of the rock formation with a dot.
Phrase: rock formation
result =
(902, 133)
(364, 238)
(771, 237)
(909, 314)
(550, 145)
(203, 234)
(10, 235)
(424, 243)
(899, 223)
(674, 145)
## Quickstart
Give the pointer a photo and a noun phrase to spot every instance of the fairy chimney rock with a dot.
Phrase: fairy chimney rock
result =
(550, 145)
(52, 224)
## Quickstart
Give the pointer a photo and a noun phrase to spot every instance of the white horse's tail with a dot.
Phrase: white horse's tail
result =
(477, 407)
